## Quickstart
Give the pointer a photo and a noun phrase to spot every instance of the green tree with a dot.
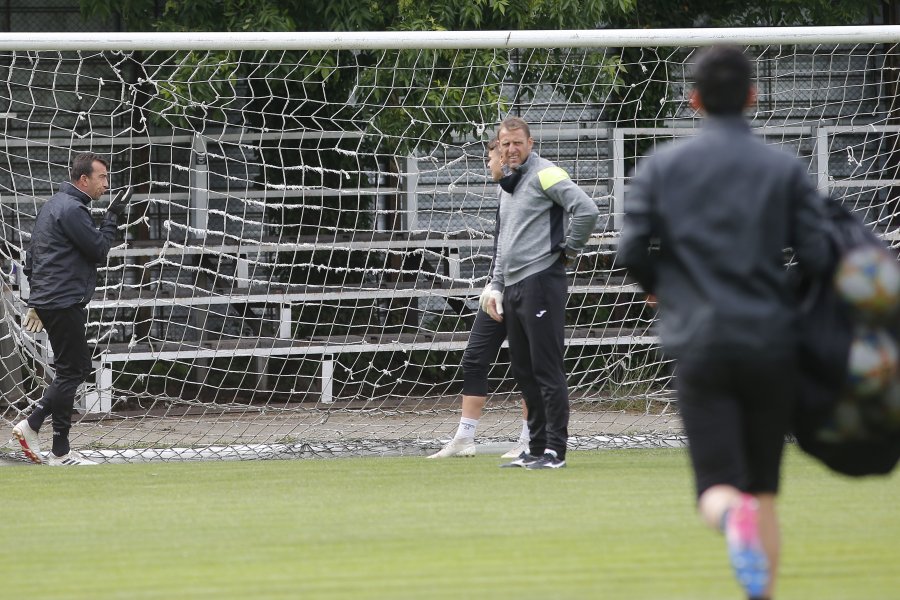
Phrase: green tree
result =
(744, 13)
(430, 97)
(638, 101)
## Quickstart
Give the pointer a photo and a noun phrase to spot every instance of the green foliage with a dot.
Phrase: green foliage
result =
(421, 98)
(424, 99)
(462, 15)
(188, 89)
(638, 100)
(132, 12)
(428, 97)
(743, 13)
(800, 12)
(435, 99)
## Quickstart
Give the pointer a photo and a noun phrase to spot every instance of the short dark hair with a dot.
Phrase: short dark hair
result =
(493, 143)
(511, 123)
(83, 164)
(722, 78)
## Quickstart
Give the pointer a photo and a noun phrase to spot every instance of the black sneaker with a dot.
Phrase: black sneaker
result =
(547, 461)
(523, 460)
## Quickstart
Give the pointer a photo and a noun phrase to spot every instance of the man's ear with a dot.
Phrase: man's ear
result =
(694, 100)
(751, 97)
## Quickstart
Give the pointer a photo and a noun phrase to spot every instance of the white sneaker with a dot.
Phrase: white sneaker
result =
(72, 459)
(518, 449)
(456, 447)
(28, 439)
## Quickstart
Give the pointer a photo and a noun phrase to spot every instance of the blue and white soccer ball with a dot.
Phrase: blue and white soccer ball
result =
(872, 364)
(868, 279)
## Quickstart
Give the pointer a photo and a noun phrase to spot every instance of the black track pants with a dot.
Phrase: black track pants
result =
(534, 313)
(72, 362)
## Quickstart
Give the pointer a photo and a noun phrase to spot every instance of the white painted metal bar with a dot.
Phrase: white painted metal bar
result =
(822, 183)
(764, 130)
(198, 204)
(453, 262)
(330, 295)
(863, 183)
(249, 137)
(327, 396)
(411, 199)
(174, 249)
(100, 399)
(311, 40)
(262, 372)
(99, 139)
(320, 349)
(618, 199)
(284, 322)
(242, 269)
(866, 128)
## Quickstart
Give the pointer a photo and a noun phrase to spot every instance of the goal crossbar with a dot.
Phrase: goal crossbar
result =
(397, 40)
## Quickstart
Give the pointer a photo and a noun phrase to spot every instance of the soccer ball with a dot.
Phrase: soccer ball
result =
(872, 364)
(868, 279)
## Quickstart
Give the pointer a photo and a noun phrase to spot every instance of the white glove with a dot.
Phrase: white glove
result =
(487, 295)
(32, 322)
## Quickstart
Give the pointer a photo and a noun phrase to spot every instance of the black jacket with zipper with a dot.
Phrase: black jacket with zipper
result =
(66, 247)
(723, 206)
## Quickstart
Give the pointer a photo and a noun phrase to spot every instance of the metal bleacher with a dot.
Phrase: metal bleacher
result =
(149, 274)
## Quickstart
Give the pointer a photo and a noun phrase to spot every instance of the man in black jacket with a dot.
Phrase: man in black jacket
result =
(722, 208)
(61, 266)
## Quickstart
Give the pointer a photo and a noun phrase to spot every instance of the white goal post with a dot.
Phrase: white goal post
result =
(312, 220)
(451, 40)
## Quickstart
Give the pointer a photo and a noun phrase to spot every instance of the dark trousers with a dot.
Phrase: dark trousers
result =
(485, 339)
(72, 362)
(534, 310)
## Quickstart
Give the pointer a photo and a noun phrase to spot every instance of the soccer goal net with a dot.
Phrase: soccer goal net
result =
(312, 220)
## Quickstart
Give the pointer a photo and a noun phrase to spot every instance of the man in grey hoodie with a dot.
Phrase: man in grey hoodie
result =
(545, 222)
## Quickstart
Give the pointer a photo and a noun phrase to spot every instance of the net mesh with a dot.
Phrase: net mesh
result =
(310, 231)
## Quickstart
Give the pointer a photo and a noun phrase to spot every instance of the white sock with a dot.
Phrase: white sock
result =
(524, 436)
(466, 428)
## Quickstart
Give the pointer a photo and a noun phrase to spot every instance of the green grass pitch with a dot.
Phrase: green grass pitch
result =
(614, 524)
